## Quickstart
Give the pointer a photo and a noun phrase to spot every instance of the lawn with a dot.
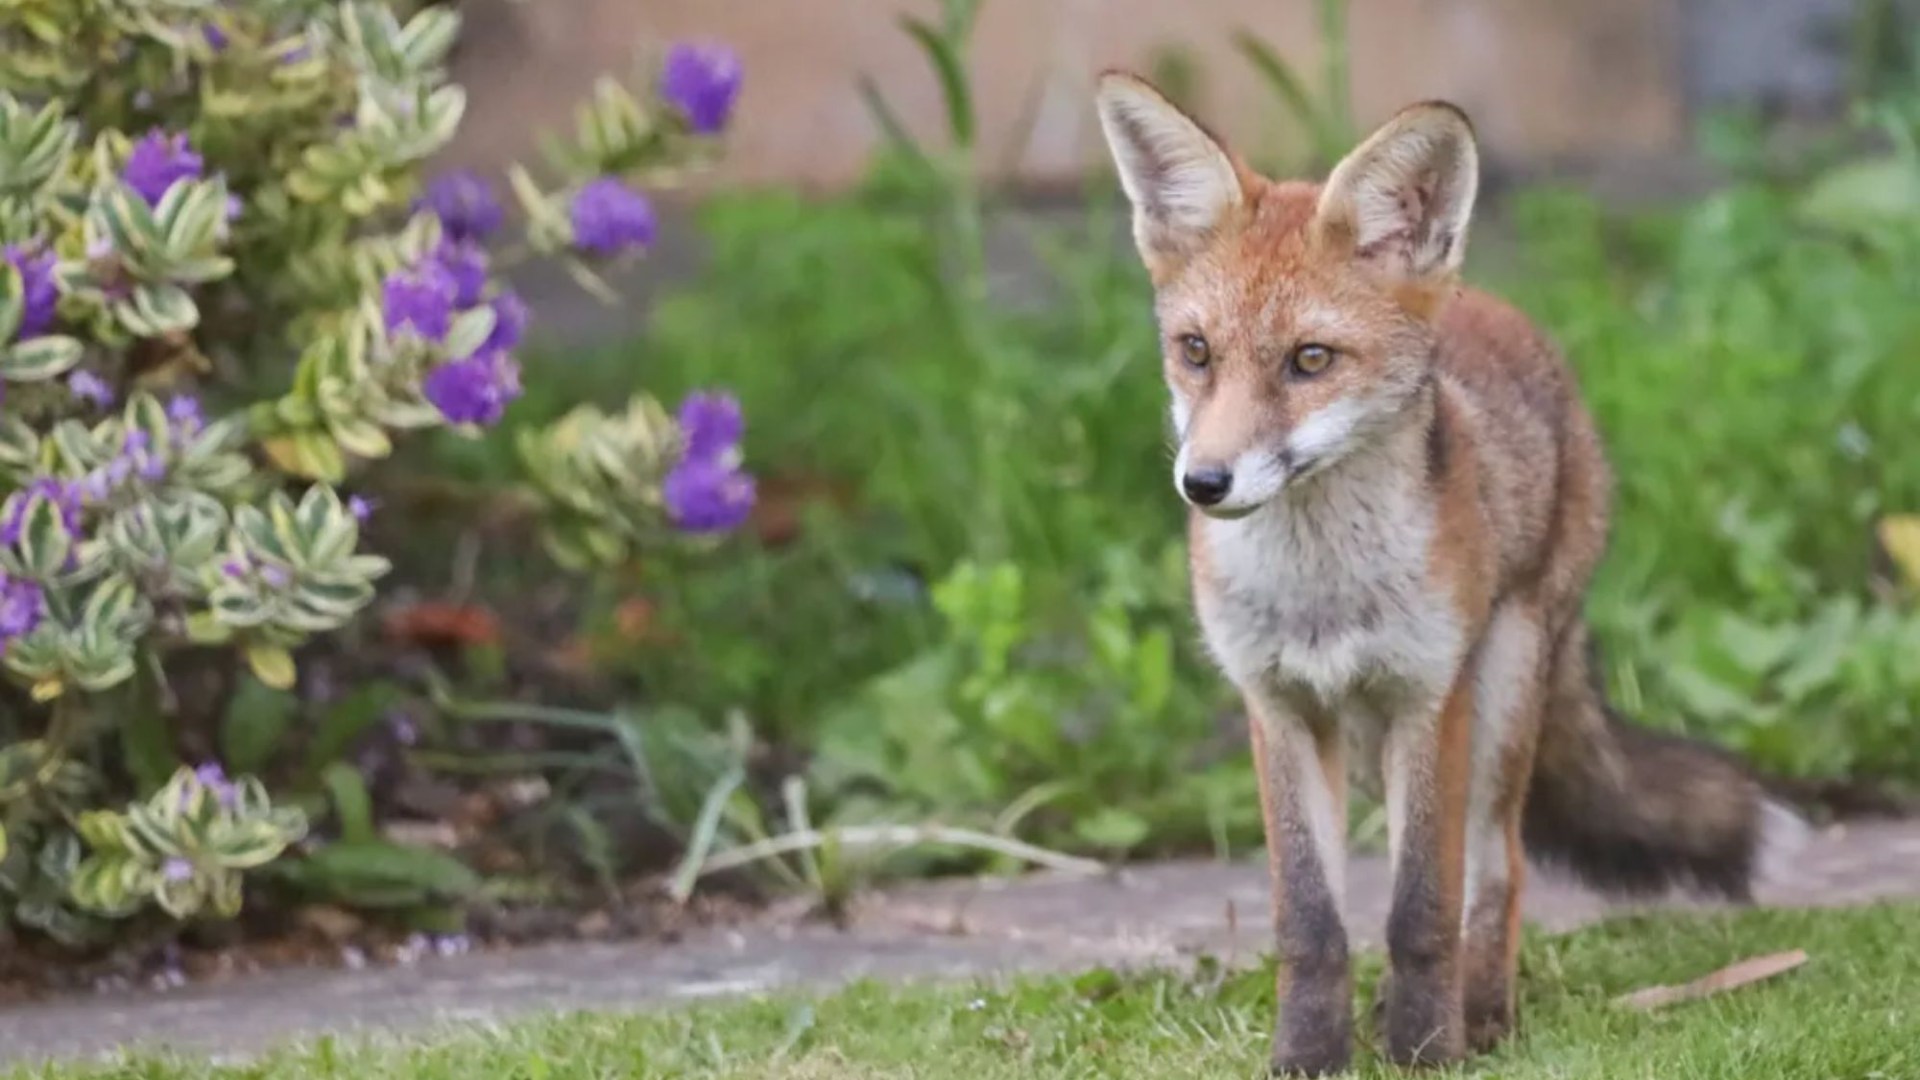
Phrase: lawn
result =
(1851, 1013)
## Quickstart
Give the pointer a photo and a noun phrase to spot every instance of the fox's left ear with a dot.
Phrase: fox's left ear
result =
(1401, 201)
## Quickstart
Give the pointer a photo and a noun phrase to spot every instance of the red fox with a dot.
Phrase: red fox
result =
(1397, 500)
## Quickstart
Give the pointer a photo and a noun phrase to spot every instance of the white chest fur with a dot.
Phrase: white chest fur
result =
(1326, 590)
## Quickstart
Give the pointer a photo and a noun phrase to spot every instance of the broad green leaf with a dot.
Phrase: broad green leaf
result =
(351, 803)
(379, 873)
(45, 544)
(104, 832)
(360, 437)
(40, 358)
(469, 331)
(146, 740)
(272, 665)
(257, 721)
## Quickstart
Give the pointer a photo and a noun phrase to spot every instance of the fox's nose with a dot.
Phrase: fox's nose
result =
(1205, 487)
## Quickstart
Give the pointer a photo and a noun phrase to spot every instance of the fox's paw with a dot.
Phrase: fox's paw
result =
(1315, 1037)
(1420, 1027)
(1485, 1033)
(1488, 1022)
(1323, 1064)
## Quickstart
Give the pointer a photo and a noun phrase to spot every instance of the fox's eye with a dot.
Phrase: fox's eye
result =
(1312, 359)
(1193, 348)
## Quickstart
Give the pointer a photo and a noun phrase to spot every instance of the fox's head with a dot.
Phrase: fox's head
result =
(1297, 320)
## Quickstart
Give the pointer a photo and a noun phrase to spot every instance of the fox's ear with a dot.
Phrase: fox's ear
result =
(1181, 181)
(1402, 199)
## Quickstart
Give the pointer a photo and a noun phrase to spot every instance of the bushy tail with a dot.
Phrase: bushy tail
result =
(1633, 811)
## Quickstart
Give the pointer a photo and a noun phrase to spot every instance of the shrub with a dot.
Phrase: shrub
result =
(225, 291)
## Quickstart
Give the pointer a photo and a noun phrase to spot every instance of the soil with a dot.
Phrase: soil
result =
(331, 938)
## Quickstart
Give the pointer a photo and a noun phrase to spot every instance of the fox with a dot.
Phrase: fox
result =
(1396, 500)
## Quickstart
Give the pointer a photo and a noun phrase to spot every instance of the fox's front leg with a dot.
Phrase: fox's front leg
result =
(1303, 798)
(1427, 766)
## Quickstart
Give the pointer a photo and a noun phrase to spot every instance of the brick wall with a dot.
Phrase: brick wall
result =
(1548, 82)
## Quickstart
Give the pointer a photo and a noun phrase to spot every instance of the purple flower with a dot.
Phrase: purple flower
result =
(96, 485)
(176, 869)
(360, 507)
(421, 299)
(476, 390)
(234, 568)
(87, 386)
(710, 426)
(465, 205)
(404, 730)
(215, 36)
(214, 779)
(22, 606)
(466, 264)
(158, 162)
(610, 217)
(276, 577)
(183, 410)
(40, 297)
(133, 455)
(509, 323)
(708, 496)
(702, 81)
(137, 451)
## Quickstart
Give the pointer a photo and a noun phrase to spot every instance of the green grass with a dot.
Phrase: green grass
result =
(1852, 1013)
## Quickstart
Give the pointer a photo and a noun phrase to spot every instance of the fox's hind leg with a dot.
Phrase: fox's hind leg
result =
(1510, 693)
(1427, 766)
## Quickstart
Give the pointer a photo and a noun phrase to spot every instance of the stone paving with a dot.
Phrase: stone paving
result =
(1151, 915)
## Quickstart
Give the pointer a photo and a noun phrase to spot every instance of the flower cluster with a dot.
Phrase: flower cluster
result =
(702, 80)
(23, 601)
(133, 523)
(707, 491)
(421, 301)
(22, 606)
(40, 296)
(159, 161)
(465, 205)
(610, 218)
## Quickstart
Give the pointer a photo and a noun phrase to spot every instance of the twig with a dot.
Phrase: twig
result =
(1727, 978)
(898, 836)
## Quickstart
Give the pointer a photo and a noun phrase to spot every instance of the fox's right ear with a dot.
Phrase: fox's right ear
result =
(1181, 181)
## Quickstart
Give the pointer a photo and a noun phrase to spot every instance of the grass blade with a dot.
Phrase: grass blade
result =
(1292, 91)
(694, 863)
(954, 88)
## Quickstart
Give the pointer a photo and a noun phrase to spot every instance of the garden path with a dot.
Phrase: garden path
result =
(1161, 914)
